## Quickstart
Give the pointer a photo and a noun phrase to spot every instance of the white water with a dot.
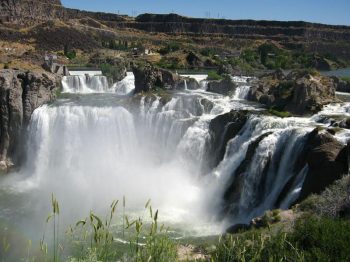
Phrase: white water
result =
(126, 86)
(201, 80)
(85, 84)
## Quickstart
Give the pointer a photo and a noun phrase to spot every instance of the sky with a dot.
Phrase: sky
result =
(321, 11)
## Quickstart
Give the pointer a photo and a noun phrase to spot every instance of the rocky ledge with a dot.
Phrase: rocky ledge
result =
(21, 93)
(298, 92)
(148, 77)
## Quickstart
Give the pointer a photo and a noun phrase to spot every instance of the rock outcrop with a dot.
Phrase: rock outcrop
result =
(298, 92)
(148, 77)
(224, 87)
(20, 94)
(327, 159)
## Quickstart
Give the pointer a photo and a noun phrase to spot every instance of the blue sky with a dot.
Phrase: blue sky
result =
(322, 11)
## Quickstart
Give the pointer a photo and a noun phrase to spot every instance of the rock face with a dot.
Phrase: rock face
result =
(29, 12)
(148, 77)
(327, 159)
(224, 87)
(222, 129)
(298, 92)
(20, 94)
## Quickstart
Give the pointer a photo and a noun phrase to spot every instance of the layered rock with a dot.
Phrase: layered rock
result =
(20, 94)
(298, 92)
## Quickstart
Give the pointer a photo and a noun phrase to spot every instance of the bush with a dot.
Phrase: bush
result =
(71, 55)
(331, 202)
(212, 75)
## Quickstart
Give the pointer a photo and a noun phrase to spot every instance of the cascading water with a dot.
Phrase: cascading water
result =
(126, 86)
(92, 150)
(85, 84)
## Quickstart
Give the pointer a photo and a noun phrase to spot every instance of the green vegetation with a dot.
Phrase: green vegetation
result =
(171, 63)
(331, 202)
(116, 45)
(275, 112)
(346, 78)
(111, 71)
(312, 239)
(170, 47)
(212, 75)
(309, 238)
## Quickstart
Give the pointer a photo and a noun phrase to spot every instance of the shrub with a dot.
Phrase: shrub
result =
(212, 75)
(71, 54)
(330, 202)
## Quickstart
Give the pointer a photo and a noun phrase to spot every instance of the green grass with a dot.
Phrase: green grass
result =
(312, 239)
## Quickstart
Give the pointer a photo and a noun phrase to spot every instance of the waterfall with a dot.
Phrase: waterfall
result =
(241, 92)
(125, 86)
(92, 150)
(85, 84)
(259, 163)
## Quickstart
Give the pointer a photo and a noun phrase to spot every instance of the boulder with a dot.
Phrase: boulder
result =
(299, 92)
(224, 87)
(327, 159)
(20, 94)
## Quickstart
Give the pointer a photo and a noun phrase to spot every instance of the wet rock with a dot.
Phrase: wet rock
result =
(224, 87)
(299, 92)
(207, 105)
(191, 83)
(20, 94)
(222, 129)
(235, 185)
